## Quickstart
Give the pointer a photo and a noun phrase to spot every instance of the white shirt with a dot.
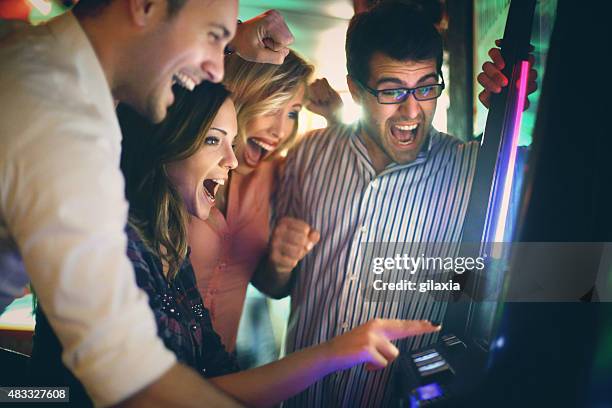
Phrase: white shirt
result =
(330, 183)
(62, 205)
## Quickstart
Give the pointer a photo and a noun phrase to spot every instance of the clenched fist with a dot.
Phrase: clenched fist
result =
(264, 38)
(292, 239)
(324, 100)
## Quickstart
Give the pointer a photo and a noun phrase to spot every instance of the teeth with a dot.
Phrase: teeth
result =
(407, 127)
(209, 195)
(262, 144)
(221, 182)
(184, 81)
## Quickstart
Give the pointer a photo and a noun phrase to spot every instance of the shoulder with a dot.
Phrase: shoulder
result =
(137, 250)
(328, 135)
(445, 142)
(53, 87)
(322, 141)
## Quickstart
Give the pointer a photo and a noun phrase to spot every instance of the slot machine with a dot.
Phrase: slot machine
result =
(533, 328)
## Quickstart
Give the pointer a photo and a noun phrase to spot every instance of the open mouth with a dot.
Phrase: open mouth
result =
(405, 134)
(184, 80)
(210, 188)
(256, 150)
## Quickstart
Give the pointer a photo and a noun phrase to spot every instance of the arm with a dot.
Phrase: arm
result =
(325, 101)
(274, 274)
(291, 240)
(271, 282)
(275, 382)
(179, 387)
(63, 201)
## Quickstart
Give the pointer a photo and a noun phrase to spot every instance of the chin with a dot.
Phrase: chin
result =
(158, 106)
(202, 214)
(155, 113)
(244, 169)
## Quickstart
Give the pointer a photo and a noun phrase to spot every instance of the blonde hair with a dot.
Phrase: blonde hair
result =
(260, 89)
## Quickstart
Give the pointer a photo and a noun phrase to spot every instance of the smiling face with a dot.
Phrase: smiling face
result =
(395, 133)
(197, 177)
(186, 48)
(264, 134)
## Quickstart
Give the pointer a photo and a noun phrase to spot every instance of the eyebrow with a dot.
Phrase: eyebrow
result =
(219, 130)
(226, 32)
(398, 81)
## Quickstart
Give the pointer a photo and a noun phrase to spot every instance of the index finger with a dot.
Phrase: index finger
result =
(497, 58)
(399, 329)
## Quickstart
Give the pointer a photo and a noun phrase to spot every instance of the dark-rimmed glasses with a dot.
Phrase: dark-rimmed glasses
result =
(399, 95)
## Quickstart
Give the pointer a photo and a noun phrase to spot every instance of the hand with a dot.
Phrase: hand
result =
(492, 79)
(264, 38)
(324, 100)
(292, 239)
(370, 343)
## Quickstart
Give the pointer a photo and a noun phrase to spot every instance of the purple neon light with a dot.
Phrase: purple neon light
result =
(516, 129)
(429, 391)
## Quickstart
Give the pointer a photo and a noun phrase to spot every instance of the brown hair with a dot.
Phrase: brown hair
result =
(157, 210)
(89, 8)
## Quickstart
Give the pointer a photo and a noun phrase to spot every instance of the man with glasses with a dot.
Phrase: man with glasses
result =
(392, 178)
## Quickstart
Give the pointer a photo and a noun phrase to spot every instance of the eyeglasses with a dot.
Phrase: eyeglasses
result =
(399, 95)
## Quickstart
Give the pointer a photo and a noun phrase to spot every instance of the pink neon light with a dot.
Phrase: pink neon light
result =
(520, 105)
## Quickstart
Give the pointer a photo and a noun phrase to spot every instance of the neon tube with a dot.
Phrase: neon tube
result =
(516, 130)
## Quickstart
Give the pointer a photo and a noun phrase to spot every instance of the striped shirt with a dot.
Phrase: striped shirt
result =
(330, 183)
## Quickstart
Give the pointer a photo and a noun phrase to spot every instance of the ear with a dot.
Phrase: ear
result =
(354, 89)
(145, 12)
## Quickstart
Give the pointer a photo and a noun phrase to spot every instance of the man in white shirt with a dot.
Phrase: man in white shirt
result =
(62, 204)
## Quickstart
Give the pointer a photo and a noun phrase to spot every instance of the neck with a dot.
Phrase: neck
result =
(221, 200)
(106, 46)
(378, 157)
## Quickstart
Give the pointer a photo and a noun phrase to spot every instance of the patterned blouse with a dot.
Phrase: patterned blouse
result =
(183, 322)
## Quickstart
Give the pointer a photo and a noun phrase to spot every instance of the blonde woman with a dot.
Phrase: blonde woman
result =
(227, 247)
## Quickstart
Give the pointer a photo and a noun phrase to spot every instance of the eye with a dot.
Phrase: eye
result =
(294, 115)
(425, 90)
(214, 36)
(211, 140)
(396, 94)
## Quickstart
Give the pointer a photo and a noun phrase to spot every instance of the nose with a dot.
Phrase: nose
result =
(410, 107)
(229, 160)
(213, 66)
(278, 127)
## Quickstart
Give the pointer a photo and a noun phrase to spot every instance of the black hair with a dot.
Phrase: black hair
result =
(90, 8)
(401, 30)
